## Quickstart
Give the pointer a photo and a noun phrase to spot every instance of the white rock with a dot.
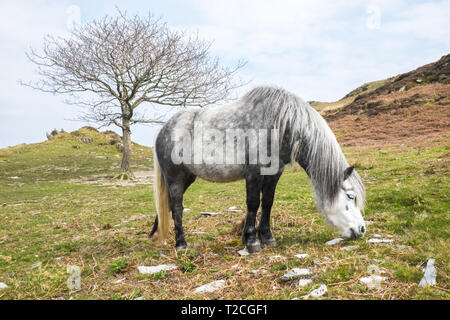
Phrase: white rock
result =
(373, 281)
(204, 213)
(186, 210)
(304, 282)
(36, 264)
(301, 255)
(429, 277)
(198, 232)
(377, 240)
(119, 281)
(156, 269)
(375, 235)
(320, 291)
(3, 285)
(295, 273)
(334, 241)
(139, 298)
(232, 208)
(243, 252)
(211, 287)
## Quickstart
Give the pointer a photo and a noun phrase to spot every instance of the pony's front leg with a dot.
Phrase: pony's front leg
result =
(268, 193)
(249, 238)
(176, 206)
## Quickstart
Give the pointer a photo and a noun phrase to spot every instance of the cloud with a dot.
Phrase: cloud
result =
(320, 50)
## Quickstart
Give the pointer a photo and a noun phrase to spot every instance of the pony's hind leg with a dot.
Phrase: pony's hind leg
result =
(268, 193)
(176, 206)
(176, 191)
(249, 238)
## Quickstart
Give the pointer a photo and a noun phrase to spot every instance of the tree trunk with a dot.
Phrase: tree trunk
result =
(126, 140)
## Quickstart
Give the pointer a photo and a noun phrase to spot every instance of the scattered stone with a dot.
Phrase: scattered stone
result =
(373, 281)
(198, 232)
(320, 291)
(419, 80)
(304, 282)
(295, 273)
(402, 89)
(232, 208)
(429, 277)
(375, 235)
(156, 269)
(349, 248)
(15, 177)
(209, 213)
(119, 281)
(74, 280)
(186, 210)
(211, 287)
(139, 298)
(301, 255)
(243, 252)
(36, 264)
(334, 241)
(377, 240)
(3, 285)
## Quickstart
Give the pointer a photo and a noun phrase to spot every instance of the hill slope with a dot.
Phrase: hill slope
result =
(410, 107)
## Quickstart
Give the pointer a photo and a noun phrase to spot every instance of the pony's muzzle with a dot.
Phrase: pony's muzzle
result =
(355, 234)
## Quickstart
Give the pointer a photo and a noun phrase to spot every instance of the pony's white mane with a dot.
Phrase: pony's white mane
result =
(313, 144)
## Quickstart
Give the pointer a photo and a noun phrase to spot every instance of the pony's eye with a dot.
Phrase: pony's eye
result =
(350, 196)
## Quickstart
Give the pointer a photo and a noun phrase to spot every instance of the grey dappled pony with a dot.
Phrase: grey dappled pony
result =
(254, 139)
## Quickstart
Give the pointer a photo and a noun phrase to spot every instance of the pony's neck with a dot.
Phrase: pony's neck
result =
(317, 151)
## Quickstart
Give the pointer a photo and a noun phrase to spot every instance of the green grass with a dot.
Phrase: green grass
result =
(55, 213)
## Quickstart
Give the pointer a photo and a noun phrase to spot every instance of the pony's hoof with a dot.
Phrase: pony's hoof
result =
(270, 242)
(253, 248)
(181, 247)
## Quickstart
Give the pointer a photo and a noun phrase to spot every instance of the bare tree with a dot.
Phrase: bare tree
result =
(113, 65)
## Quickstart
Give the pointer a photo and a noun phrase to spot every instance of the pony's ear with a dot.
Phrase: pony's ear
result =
(348, 172)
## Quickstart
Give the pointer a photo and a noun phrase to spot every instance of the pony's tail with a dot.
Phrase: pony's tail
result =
(161, 191)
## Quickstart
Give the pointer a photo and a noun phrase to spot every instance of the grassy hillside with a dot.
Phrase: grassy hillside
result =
(412, 107)
(326, 107)
(60, 205)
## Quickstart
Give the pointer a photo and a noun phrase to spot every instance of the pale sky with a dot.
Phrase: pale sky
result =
(319, 50)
